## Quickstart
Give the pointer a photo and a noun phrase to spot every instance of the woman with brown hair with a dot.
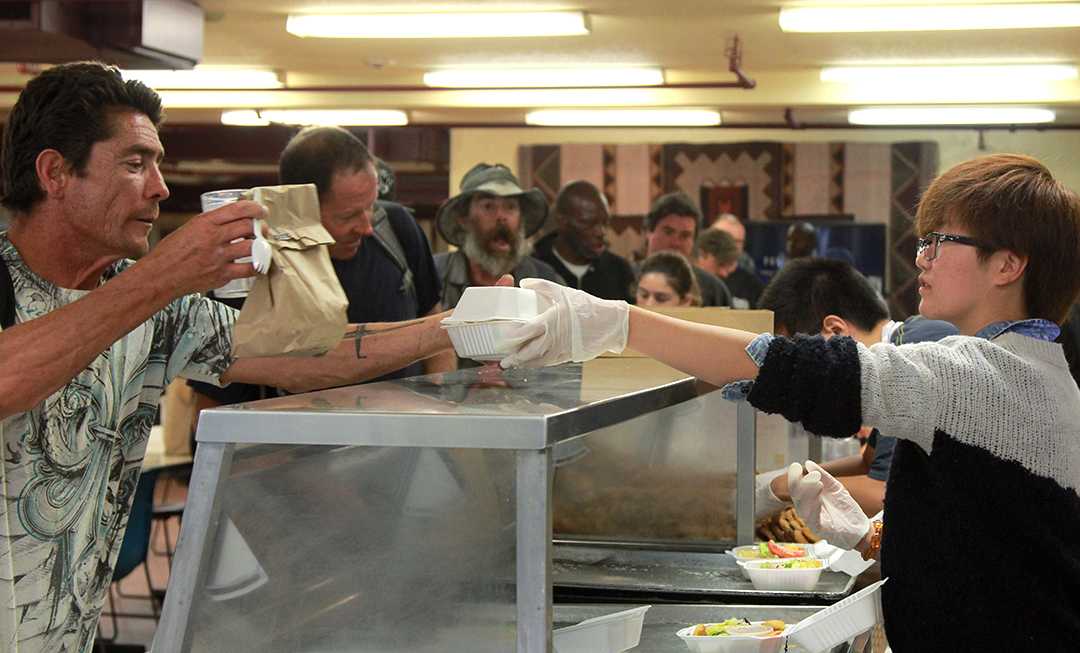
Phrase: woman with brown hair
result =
(667, 280)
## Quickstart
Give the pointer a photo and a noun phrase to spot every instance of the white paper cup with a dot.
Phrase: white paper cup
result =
(216, 199)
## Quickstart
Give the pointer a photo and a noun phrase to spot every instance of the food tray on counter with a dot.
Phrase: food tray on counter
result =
(674, 572)
(663, 621)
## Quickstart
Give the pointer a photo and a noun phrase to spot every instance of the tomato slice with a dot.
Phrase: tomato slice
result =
(782, 551)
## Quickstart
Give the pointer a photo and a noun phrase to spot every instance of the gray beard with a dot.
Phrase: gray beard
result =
(496, 264)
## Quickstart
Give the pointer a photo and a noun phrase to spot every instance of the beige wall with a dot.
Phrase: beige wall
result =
(1057, 149)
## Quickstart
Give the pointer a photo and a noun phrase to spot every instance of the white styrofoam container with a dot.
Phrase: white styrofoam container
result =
(731, 644)
(840, 621)
(611, 633)
(741, 560)
(480, 341)
(739, 552)
(488, 303)
(797, 580)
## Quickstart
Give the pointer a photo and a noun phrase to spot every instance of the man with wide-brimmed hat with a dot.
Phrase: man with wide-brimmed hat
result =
(490, 221)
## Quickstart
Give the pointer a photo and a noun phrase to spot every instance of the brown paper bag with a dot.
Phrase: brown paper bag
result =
(298, 308)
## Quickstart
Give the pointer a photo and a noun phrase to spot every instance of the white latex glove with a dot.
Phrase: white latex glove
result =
(765, 500)
(576, 327)
(826, 506)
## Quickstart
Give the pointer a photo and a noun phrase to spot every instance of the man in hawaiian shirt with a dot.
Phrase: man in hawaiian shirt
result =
(98, 336)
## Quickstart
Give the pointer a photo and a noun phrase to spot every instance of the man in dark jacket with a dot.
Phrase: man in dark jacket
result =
(672, 225)
(577, 249)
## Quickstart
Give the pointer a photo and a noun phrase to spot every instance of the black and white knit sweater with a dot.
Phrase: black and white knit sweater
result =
(982, 538)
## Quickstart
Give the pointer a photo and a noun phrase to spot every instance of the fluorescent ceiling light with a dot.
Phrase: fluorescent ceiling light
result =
(962, 74)
(438, 25)
(206, 77)
(364, 117)
(543, 77)
(243, 118)
(623, 117)
(918, 18)
(949, 116)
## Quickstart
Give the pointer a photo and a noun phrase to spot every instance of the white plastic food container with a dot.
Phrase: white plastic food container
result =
(840, 621)
(731, 643)
(484, 341)
(749, 553)
(612, 633)
(485, 315)
(492, 303)
(795, 580)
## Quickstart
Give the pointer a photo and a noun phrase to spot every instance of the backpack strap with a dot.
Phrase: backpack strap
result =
(7, 296)
(385, 236)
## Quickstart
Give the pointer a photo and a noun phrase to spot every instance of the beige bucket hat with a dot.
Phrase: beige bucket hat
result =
(496, 180)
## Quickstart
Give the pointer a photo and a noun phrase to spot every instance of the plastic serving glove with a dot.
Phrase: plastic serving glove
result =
(765, 500)
(825, 505)
(576, 327)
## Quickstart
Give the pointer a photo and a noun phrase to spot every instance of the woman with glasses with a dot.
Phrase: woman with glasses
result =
(982, 547)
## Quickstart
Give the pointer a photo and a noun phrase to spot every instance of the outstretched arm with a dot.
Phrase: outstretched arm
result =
(367, 351)
(711, 353)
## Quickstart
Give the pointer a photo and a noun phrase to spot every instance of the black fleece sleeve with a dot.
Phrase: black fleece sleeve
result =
(813, 381)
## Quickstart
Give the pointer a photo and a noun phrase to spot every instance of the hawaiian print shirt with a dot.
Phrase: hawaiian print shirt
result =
(71, 463)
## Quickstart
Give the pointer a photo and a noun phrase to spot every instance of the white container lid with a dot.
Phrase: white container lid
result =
(611, 633)
(840, 621)
(497, 303)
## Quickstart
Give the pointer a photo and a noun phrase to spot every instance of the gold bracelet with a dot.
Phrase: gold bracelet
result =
(875, 541)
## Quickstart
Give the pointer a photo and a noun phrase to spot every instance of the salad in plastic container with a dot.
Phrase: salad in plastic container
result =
(800, 575)
(735, 636)
(770, 551)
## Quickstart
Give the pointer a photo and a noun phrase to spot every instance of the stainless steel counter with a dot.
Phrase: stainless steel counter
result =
(385, 512)
(479, 408)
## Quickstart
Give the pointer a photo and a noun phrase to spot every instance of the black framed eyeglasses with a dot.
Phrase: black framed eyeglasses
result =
(929, 246)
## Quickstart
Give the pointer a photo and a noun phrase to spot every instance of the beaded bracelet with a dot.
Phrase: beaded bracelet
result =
(875, 541)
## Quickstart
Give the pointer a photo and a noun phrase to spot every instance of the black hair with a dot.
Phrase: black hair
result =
(808, 289)
(574, 191)
(316, 154)
(67, 108)
(672, 204)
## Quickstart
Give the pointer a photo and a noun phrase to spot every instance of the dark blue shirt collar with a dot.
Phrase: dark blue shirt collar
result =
(1035, 328)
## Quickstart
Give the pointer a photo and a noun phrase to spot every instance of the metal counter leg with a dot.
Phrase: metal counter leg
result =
(212, 464)
(534, 595)
(746, 457)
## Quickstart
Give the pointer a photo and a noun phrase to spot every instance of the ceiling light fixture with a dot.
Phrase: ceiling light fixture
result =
(920, 18)
(999, 74)
(949, 116)
(623, 118)
(543, 77)
(438, 25)
(243, 118)
(206, 77)
(354, 117)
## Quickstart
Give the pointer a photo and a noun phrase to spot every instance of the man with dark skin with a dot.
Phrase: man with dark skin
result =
(578, 250)
(801, 241)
